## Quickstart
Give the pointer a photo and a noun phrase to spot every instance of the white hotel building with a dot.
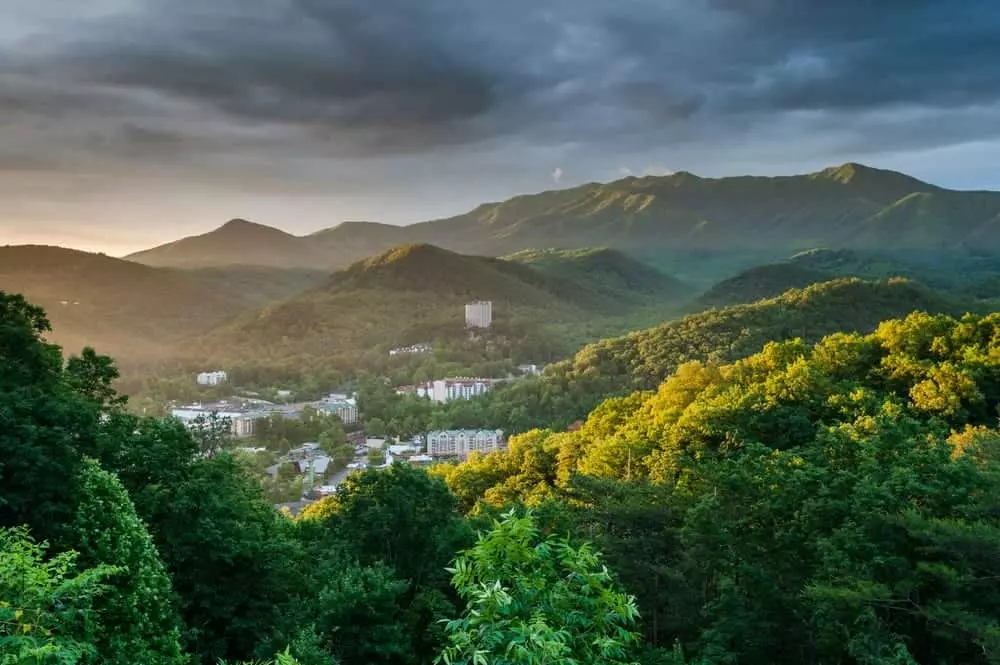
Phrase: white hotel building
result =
(446, 390)
(461, 442)
(479, 314)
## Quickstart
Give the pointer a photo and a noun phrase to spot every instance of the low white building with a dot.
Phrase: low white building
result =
(416, 348)
(212, 378)
(406, 448)
(461, 442)
(374, 443)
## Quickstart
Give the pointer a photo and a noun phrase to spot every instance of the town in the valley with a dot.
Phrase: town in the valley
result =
(299, 472)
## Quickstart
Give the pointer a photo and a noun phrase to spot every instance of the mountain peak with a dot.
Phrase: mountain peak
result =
(240, 225)
(890, 183)
(880, 185)
(413, 253)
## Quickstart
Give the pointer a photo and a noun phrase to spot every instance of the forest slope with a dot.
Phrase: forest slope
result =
(642, 360)
(120, 307)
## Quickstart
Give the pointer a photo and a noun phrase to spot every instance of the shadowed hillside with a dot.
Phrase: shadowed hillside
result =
(759, 283)
(122, 308)
(605, 271)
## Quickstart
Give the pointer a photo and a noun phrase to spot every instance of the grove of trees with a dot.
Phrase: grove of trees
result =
(828, 501)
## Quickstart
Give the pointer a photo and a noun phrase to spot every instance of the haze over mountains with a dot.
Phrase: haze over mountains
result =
(849, 206)
(360, 285)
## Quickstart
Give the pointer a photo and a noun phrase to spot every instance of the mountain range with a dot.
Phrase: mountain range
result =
(411, 293)
(848, 206)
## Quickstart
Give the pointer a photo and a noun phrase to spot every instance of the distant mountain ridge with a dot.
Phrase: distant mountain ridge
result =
(848, 206)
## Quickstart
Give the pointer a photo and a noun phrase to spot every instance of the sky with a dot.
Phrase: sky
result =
(127, 123)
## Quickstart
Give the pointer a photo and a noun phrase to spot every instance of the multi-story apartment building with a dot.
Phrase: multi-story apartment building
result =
(461, 442)
(345, 408)
(479, 314)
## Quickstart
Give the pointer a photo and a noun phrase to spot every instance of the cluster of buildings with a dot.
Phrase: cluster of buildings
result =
(243, 416)
(416, 348)
(212, 378)
(479, 314)
(445, 390)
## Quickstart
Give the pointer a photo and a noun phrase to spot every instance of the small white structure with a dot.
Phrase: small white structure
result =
(479, 314)
(416, 348)
(212, 378)
(461, 442)
(530, 370)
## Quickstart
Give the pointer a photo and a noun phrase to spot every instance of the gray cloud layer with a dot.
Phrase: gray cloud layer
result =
(349, 99)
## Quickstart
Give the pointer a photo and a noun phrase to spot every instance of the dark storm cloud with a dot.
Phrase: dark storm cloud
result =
(338, 79)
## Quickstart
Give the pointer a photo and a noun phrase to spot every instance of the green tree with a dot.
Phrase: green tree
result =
(235, 563)
(533, 600)
(46, 604)
(139, 614)
(46, 424)
(398, 529)
(376, 427)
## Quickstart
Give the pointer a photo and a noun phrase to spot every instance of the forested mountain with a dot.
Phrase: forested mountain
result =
(827, 503)
(850, 206)
(237, 242)
(119, 306)
(760, 283)
(135, 311)
(641, 360)
(256, 286)
(962, 273)
(605, 271)
(416, 293)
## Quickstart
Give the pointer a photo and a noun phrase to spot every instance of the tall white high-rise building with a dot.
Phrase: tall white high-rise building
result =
(479, 314)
